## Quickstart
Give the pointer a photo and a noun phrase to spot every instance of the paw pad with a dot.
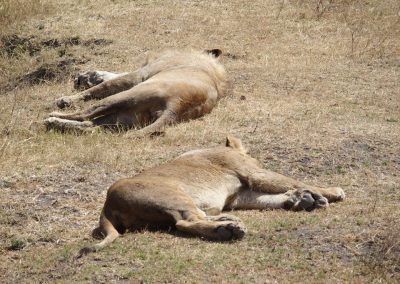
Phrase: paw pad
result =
(63, 102)
(231, 231)
(307, 201)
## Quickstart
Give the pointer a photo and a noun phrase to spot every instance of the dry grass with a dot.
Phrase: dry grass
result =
(17, 11)
(320, 81)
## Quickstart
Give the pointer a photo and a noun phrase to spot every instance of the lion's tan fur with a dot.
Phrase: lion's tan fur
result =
(168, 88)
(186, 191)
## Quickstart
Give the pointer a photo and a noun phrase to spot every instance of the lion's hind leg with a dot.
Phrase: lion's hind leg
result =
(156, 128)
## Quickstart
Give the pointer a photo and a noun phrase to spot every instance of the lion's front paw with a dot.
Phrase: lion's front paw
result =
(49, 120)
(63, 102)
(230, 231)
(88, 79)
(52, 123)
(306, 200)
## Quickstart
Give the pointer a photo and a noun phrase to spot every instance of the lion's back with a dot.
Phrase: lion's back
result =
(187, 64)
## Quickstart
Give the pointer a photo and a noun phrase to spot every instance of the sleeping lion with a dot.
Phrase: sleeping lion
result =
(171, 87)
(190, 192)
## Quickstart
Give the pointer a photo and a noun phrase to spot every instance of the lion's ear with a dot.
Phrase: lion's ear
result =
(214, 52)
(235, 143)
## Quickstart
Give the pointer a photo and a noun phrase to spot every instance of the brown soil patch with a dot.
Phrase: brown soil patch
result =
(14, 44)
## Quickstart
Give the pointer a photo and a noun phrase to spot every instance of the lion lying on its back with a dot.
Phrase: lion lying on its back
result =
(168, 88)
(190, 193)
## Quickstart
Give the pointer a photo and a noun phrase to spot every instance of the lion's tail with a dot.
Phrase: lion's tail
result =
(105, 228)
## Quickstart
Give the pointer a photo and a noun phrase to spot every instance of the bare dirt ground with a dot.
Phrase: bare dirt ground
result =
(316, 96)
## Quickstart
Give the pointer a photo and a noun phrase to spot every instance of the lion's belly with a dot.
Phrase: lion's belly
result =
(213, 193)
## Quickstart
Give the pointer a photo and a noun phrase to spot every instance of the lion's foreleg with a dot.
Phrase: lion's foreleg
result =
(270, 182)
(103, 90)
(250, 199)
(291, 200)
(90, 79)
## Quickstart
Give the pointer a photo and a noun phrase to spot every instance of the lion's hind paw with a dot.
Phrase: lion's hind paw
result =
(231, 231)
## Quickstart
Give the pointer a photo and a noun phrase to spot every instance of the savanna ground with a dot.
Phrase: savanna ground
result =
(316, 96)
